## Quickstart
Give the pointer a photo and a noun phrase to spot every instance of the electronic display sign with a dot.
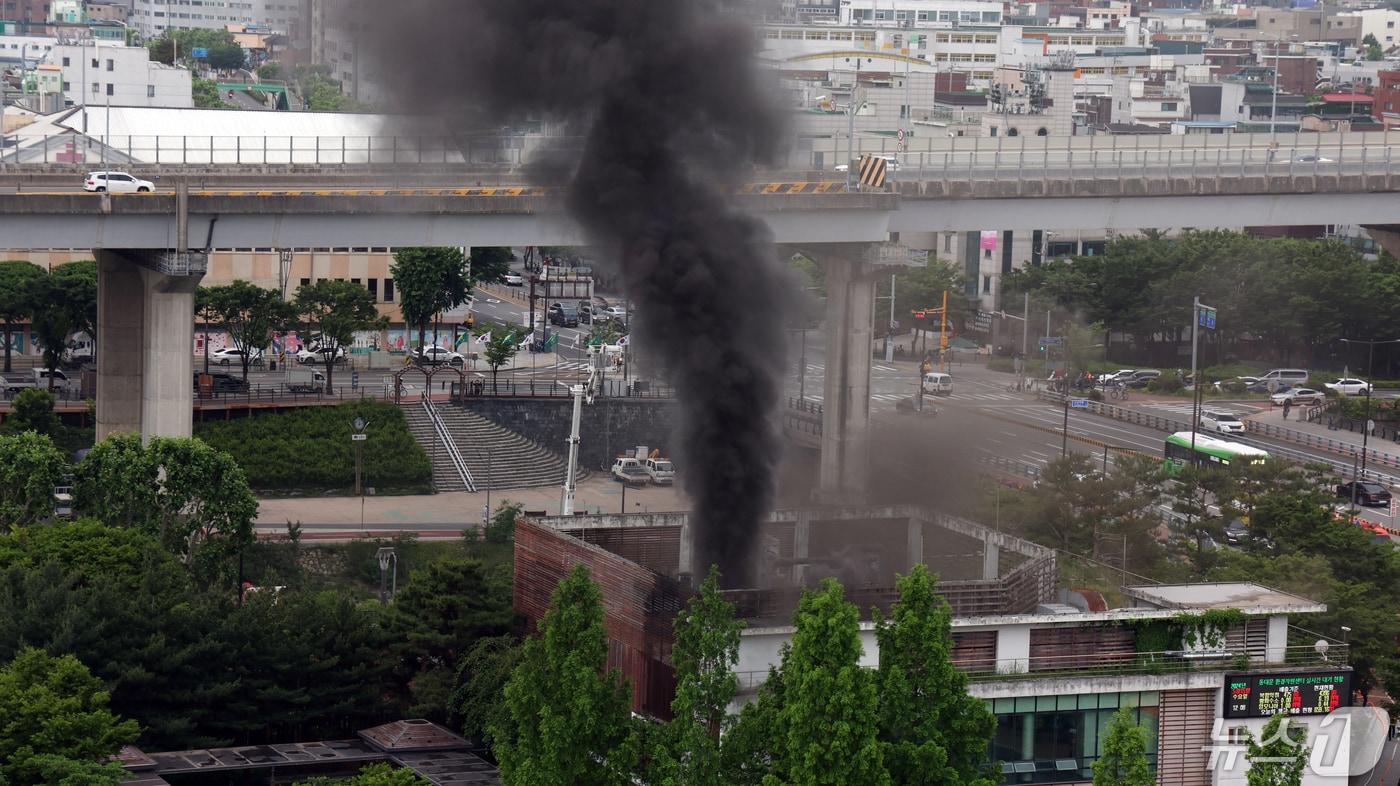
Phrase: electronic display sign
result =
(1265, 694)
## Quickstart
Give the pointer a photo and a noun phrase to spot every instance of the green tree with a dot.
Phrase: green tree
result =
(923, 287)
(53, 707)
(477, 705)
(249, 314)
(32, 410)
(334, 311)
(932, 732)
(372, 775)
(501, 345)
(270, 71)
(1373, 48)
(438, 616)
(224, 53)
(490, 264)
(17, 279)
(30, 467)
(429, 280)
(78, 283)
(183, 490)
(205, 93)
(831, 712)
(1279, 759)
(753, 750)
(569, 720)
(1124, 758)
(501, 527)
(706, 649)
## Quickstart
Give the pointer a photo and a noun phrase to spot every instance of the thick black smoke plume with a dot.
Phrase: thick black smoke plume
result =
(673, 114)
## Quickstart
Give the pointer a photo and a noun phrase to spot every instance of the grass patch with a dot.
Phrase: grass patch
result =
(309, 450)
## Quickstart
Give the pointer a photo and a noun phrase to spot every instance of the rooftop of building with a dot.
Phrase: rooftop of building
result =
(1245, 596)
(431, 751)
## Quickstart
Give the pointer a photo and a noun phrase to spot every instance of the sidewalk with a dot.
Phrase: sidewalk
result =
(1382, 441)
(597, 494)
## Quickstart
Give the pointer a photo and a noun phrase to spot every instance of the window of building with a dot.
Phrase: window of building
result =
(150, 91)
(354, 281)
(1168, 106)
(66, 62)
(987, 283)
(1013, 132)
(110, 64)
(373, 285)
(815, 35)
(96, 88)
(109, 88)
(388, 290)
(306, 282)
(1049, 732)
(792, 35)
(67, 87)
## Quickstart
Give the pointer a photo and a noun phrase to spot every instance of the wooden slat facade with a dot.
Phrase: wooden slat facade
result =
(1183, 729)
(1057, 649)
(640, 605)
(655, 548)
(975, 650)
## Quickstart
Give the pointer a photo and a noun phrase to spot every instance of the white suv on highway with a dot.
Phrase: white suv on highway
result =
(117, 183)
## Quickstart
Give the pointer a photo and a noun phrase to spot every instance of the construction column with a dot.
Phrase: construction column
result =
(845, 444)
(145, 329)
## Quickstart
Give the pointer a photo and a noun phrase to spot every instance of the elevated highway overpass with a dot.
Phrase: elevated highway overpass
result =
(148, 244)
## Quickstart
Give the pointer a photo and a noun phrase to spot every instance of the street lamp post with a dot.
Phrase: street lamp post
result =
(851, 123)
(388, 573)
(1366, 427)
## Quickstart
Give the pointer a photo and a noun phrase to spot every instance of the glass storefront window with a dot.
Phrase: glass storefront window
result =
(1056, 739)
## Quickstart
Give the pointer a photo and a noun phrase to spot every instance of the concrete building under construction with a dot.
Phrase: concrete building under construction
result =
(1052, 663)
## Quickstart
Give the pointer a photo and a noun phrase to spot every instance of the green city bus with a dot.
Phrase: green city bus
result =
(1209, 450)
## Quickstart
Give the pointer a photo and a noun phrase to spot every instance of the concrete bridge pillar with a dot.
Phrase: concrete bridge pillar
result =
(145, 329)
(850, 302)
(845, 445)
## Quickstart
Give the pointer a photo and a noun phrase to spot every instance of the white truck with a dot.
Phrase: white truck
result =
(630, 471)
(38, 378)
(305, 380)
(661, 471)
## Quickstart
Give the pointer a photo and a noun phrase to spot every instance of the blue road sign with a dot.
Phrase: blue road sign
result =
(1052, 341)
(1079, 403)
(199, 53)
(1208, 318)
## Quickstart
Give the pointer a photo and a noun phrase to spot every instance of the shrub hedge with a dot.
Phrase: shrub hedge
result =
(310, 449)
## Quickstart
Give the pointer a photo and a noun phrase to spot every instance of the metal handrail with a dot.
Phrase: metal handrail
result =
(453, 455)
(1123, 664)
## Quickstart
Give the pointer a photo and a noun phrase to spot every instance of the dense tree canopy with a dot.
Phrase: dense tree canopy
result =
(1123, 761)
(30, 468)
(1278, 299)
(55, 722)
(332, 312)
(429, 280)
(17, 281)
(249, 314)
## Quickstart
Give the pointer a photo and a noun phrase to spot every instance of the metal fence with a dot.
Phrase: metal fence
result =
(1122, 664)
(559, 388)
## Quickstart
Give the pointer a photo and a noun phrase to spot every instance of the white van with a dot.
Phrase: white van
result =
(938, 383)
(1284, 376)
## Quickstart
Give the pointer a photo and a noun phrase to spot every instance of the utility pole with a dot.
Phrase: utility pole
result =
(889, 348)
(851, 126)
(943, 335)
(1064, 434)
(1199, 313)
(1273, 99)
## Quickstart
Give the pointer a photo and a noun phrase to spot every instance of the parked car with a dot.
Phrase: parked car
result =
(1367, 493)
(630, 471)
(437, 356)
(1298, 396)
(38, 378)
(314, 354)
(563, 316)
(1112, 377)
(1282, 378)
(220, 382)
(1221, 421)
(1349, 386)
(613, 312)
(1140, 378)
(938, 383)
(661, 471)
(117, 183)
(1246, 381)
(1236, 532)
(232, 356)
(514, 280)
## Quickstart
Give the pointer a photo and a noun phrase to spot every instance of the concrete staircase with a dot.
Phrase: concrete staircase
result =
(494, 455)
(445, 477)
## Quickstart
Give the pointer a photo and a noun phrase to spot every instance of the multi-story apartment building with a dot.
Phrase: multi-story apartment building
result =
(153, 17)
(101, 74)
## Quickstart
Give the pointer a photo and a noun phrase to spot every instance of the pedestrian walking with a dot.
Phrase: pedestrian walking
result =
(1287, 405)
